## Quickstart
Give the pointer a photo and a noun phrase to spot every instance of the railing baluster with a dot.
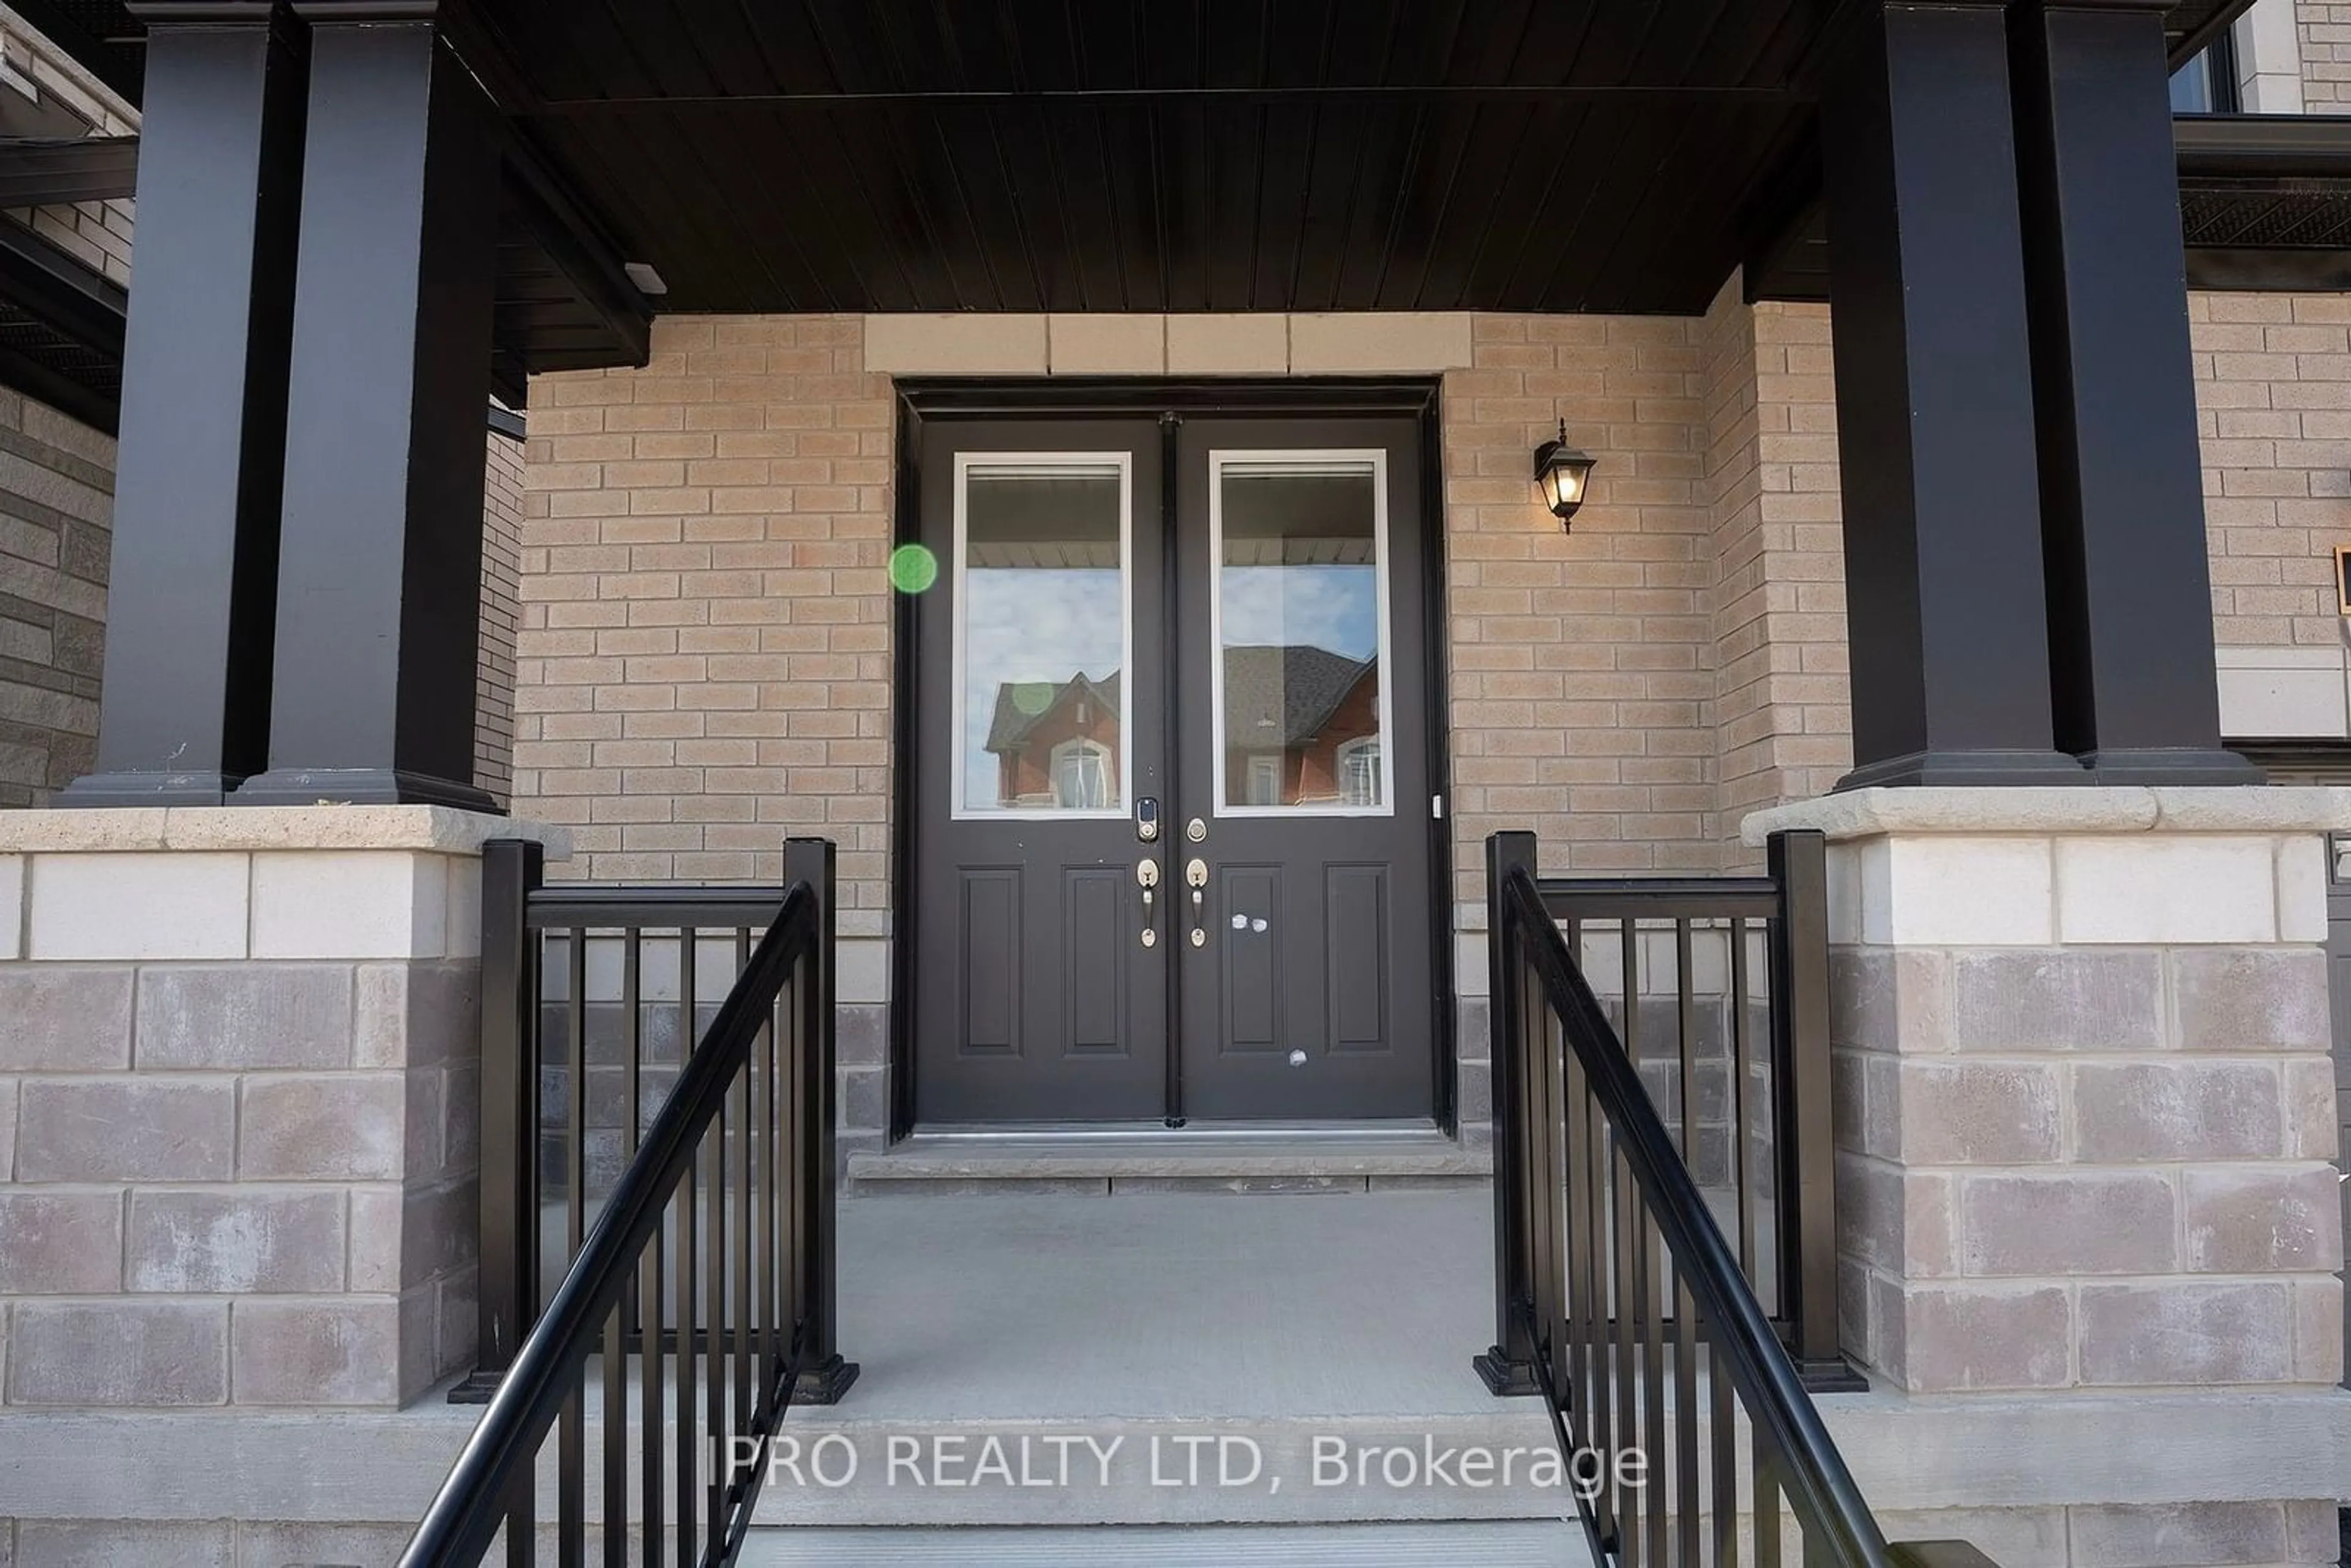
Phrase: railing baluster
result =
(1767, 1509)
(1686, 1416)
(615, 1521)
(1686, 1025)
(1742, 1139)
(745, 1266)
(687, 1280)
(1624, 1372)
(1599, 1311)
(1724, 1430)
(571, 1480)
(1653, 1382)
(714, 1343)
(650, 1354)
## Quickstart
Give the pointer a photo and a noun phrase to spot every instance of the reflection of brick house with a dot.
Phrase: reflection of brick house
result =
(1301, 728)
(1056, 745)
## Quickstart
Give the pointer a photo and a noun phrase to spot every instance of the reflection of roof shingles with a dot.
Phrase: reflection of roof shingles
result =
(1294, 689)
(1022, 706)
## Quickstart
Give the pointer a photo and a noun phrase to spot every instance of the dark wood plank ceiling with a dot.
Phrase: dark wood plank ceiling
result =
(1186, 155)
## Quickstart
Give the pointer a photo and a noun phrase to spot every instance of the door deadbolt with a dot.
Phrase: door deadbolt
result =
(1196, 829)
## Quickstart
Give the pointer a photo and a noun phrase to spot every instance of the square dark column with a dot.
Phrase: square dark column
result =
(1934, 391)
(379, 579)
(184, 712)
(2122, 505)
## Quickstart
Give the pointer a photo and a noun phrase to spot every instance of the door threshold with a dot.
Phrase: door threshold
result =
(1148, 1157)
(1410, 1130)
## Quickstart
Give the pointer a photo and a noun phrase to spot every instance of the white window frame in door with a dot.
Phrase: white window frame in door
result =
(966, 463)
(1305, 461)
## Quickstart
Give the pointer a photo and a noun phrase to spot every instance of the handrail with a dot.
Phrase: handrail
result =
(1805, 1459)
(472, 1503)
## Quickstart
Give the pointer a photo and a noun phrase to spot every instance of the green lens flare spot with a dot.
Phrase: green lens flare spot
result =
(912, 568)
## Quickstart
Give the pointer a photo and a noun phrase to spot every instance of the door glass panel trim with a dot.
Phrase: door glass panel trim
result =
(1298, 462)
(1041, 465)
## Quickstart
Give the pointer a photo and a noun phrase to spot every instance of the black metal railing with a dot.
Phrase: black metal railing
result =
(708, 1278)
(1644, 1335)
(591, 995)
(1718, 990)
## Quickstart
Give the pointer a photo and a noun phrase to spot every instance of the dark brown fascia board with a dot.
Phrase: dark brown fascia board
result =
(2263, 146)
(40, 171)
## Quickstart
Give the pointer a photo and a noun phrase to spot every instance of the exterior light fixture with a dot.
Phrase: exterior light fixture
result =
(1561, 473)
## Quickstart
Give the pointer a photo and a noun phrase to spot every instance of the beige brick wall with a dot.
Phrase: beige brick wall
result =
(494, 677)
(1582, 663)
(2273, 407)
(1783, 697)
(34, 69)
(704, 661)
(2325, 29)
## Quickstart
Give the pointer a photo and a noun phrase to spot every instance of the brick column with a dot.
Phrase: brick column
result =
(2085, 1115)
(238, 1100)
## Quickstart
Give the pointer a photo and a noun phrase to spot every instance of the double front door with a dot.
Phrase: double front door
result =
(1173, 808)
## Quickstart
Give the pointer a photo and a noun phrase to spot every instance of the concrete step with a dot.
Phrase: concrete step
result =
(1527, 1544)
(1199, 1159)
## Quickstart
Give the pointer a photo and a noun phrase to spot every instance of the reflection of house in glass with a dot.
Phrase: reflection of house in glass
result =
(1056, 745)
(1301, 728)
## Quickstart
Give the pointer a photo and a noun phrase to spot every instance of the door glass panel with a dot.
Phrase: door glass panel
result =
(1301, 629)
(1042, 634)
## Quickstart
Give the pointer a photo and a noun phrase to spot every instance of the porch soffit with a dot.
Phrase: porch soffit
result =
(1309, 155)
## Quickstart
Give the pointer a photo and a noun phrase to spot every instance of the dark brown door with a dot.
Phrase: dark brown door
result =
(1172, 750)
(1300, 700)
(1035, 997)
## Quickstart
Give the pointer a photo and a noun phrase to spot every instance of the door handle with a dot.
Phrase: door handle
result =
(1146, 876)
(1196, 874)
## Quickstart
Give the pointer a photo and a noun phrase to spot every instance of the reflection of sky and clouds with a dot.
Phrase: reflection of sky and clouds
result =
(1332, 607)
(1031, 624)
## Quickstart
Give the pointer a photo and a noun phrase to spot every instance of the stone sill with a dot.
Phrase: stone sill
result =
(437, 830)
(2243, 809)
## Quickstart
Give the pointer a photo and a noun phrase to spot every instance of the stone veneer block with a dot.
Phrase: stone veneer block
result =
(344, 1126)
(960, 344)
(235, 1242)
(349, 905)
(244, 1016)
(2146, 1111)
(2251, 998)
(2175, 1333)
(2138, 889)
(2263, 1219)
(60, 1243)
(64, 1020)
(1106, 345)
(1391, 342)
(1954, 1337)
(436, 829)
(12, 907)
(1976, 1112)
(126, 1129)
(119, 1352)
(137, 905)
(130, 1543)
(2041, 999)
(2162, 1535)
(1254, 344)
(337, 1351)
(2068, 1222)
(1956, 892)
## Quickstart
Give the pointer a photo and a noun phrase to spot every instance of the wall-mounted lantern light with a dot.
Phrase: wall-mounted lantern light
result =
(1561, 473)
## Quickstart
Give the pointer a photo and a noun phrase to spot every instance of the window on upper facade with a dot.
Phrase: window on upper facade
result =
(2208, 84)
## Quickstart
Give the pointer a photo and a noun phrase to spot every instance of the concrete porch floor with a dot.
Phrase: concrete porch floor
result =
(1270, 1323)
